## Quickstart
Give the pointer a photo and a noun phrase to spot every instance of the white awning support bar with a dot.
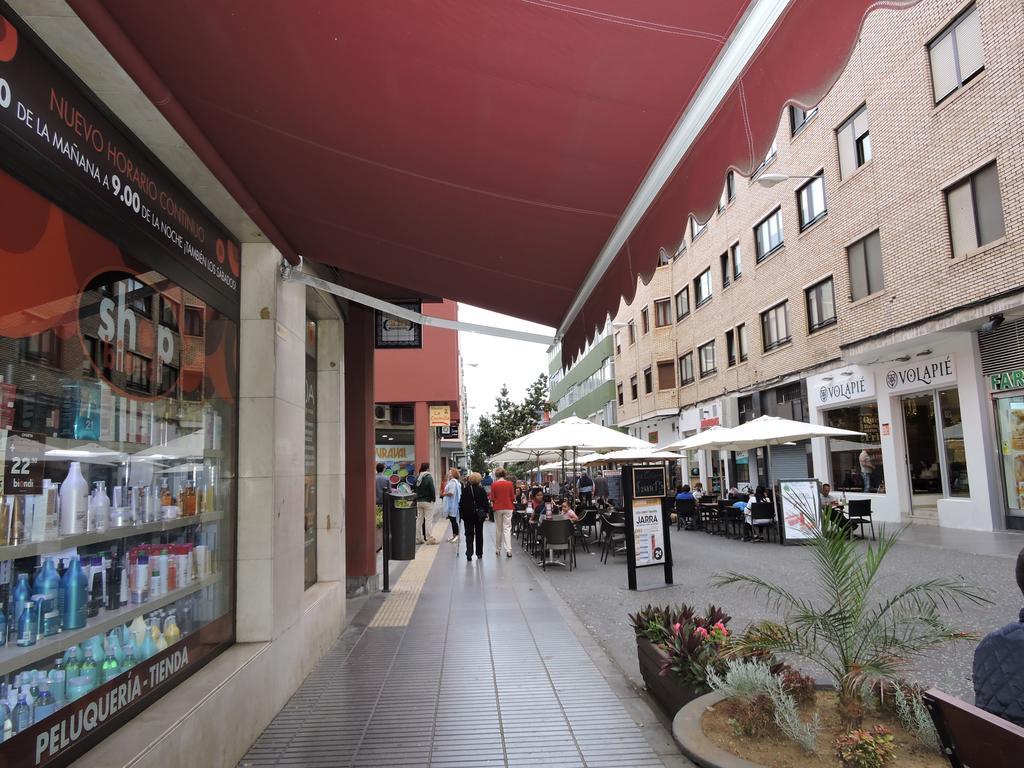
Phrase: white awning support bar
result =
(753, 28)
(292, 274)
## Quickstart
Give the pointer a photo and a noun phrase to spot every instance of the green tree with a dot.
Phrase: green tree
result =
(507, 421)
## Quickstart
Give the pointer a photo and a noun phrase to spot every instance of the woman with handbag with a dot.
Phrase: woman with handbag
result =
(473, 509)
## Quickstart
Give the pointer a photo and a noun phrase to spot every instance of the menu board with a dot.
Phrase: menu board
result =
(614, 478)
(648, 482)
(801, 509)
(648, 533)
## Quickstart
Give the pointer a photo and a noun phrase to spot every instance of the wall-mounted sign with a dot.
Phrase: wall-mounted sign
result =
(838, 387)
(451, 432)
(23, 458)
(397, 332)
(1007, 380)
(708, 423)
(919, 374)
(885, 430)
(440, 415)
(399, 462)
(50, 114)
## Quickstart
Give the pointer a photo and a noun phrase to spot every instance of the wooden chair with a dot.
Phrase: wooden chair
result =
(858, 513)
(972, 737)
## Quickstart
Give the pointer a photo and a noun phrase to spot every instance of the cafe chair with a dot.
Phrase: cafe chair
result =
(859, 514)
(557, 537)
(762, 519)
(685, 509)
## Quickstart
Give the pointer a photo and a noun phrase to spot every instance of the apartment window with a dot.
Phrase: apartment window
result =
(865, 260)
(702, 287)
(645, 320)
(768, 235)
(775, 326)
(168, 379)
(798, 118)
(686, 369)
(682, 303)
(821, 305)
(137, 372)
(632, 387)
(696, 229)
(662, 313)
(168, 312)
(730, 347)
(648, 381)
(43, 347)
(632, 333)
(706, 355)
(737, 261)
(975, 211)
(618, 344)
(854, 142)
(773, 151)
(193, 321)
(139, 298)
(810, 200)
(618, 390)
(666, 375)
(741, 341)
(724, 258)
(956, 54)
(728, 191)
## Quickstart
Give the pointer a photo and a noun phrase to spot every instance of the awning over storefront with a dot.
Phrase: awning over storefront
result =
(531, 157)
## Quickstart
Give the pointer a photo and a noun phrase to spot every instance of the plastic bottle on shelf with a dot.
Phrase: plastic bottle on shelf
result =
(6, 720)
(115, 640)
(129, 657)
(89, 669)
(21, 716)
(3, 627)
(74, 502)
(28, 623)
(58, 679)
(99, 507)
(19, 596)
(188, 500)
(72, 668)
(48, 585)
(110, 668)
(165, 582)
(172, 633)
(45, 704)
(140, 583)
(76, 595)
(148, 644)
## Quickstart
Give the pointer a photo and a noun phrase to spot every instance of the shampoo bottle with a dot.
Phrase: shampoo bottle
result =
(90, 670)
(48, 585)
(74, 502)
(75, 586)
(46, 704)
(99, 507)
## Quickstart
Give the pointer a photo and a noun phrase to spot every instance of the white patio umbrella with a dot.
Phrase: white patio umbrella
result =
(709, 438)
(511, 456)
(629, 456)
(773, 430)
(575, 433)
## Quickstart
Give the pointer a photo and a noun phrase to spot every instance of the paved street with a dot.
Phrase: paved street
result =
(598, 594)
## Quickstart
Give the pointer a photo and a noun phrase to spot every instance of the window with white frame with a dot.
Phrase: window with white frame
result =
(741, 341)
(686, 369)
(821, 305)
(706, 356)
(854, 141)
(728, 191)
(702, 287)
(975, 211)
(775, 326)
(645, 320)
(865, 261)
(737, 261)
(696, 229)
(768, 235)
(956, 55)
(798, 118)
(810, 198)
(682, 303)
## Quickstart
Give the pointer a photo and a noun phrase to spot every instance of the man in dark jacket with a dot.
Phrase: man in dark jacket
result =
(426, 495)
(999, 666)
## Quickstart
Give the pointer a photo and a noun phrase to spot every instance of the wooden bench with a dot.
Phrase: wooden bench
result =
(972, 737)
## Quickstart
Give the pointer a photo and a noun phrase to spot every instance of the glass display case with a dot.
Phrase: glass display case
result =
(117, 500)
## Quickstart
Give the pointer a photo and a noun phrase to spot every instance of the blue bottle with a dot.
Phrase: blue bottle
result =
(28, 624)
(148, 644)
(21, 717)
(19, 596)
(46, 705)
(76, 594)
(48, 585)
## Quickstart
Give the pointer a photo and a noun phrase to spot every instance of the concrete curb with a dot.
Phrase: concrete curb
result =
(689, 736)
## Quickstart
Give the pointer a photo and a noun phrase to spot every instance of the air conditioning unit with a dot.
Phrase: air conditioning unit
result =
(382, 413)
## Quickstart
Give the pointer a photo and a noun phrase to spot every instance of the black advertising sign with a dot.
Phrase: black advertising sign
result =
(648, 482)
(23, 458)
(397, 332)
(46, 111)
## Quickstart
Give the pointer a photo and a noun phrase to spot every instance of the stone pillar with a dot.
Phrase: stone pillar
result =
(360, 529)
(270, 455)
(330, 473)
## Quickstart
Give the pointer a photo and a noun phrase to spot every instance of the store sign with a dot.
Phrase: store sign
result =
(451, 432)
(1007, 380)
(920, 374)
(440, 415)
(853, 383)
(396, 332)
(648, 533)
(44, 110)
(399, 462)
(708, 423)
(24, 458)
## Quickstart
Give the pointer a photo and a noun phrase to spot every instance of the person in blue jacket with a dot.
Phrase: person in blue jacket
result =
(999, 666)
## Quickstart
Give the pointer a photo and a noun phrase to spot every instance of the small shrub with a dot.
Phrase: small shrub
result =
(904, 701)
(742, 680)
(755, 717)
(787, 718)
(796, 684)
(865, 749)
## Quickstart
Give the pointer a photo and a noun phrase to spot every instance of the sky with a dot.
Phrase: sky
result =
(498, 361)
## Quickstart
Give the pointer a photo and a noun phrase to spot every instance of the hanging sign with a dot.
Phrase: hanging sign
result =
(23, 457)
(451, 432)
(396, 332)
(440, 415)
(801, 509)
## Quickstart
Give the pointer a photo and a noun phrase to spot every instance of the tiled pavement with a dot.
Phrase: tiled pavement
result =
(488, 672)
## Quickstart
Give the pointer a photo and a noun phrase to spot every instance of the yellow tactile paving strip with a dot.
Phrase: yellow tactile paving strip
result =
(396, 611)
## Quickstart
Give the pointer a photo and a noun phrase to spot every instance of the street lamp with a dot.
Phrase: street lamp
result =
(771, 179)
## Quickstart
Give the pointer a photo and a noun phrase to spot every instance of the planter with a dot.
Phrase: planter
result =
(689, 736)
(668, 691)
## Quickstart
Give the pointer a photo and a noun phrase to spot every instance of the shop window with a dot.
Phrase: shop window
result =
(768, 235)
(953, 443)
(810, 198)
(856, 461)
(682, 303)
(706, 355)
(799, 117)
(775, 326)
(633, 388)
(662, 313)
(975, 211)
(702, 287)
(696, 229)
(43, 348)
(648, 382)
(821, 305)
(310, 459)
(956, 55)
(686, 369)
(865, 262)
(193, 321)
(618, 389)
(741, 341)
(666, 375)
(854, 141)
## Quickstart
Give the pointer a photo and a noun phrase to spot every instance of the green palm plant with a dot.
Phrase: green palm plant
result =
(853, 635)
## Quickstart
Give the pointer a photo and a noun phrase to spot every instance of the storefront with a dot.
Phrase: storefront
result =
(119, 311)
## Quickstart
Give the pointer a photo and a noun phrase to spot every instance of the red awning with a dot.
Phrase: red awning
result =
(481, 150)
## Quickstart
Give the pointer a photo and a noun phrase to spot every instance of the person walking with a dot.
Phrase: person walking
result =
(452, 501)
(503, 499)
(601, 487)
(473, 509)
(426, 495)
(585, 486)
(382, 483)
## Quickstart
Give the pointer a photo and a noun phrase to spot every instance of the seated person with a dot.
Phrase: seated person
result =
(684, 494)
(757, 497)
(829, 499)
(567, 511)
(698, 490)
(999, 666)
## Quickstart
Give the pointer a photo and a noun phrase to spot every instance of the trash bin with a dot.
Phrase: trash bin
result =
(403, 526)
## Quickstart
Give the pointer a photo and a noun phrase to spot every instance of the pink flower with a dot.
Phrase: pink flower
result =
(703, 633)
(675, 628)
(720, 627)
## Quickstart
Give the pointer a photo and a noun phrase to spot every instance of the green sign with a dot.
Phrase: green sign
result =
(1008, 380)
